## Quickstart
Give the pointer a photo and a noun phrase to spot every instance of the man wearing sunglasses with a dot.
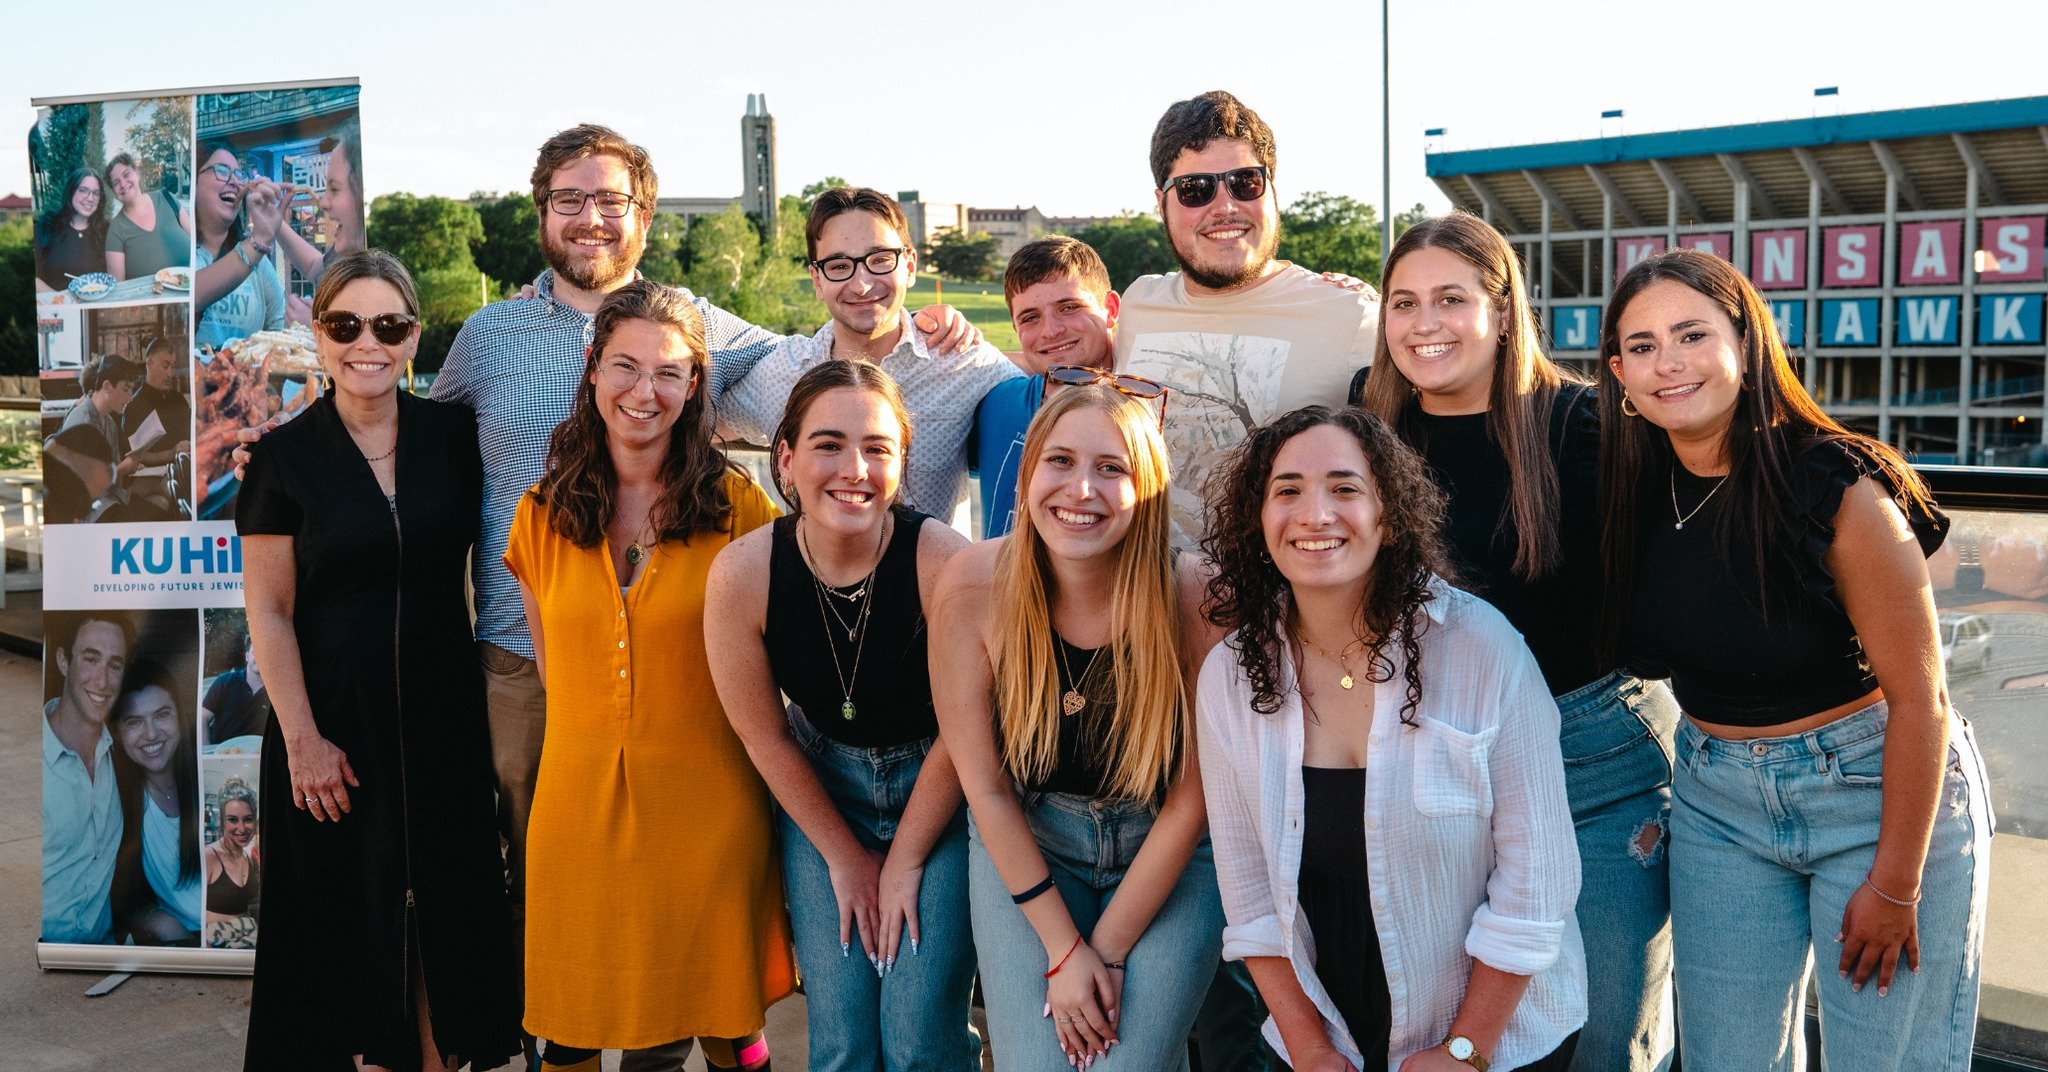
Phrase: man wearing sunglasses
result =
(1239, 337)
(862, 266)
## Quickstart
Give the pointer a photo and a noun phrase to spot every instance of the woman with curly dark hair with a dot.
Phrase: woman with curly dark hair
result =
(1456, 947)
(654, 909)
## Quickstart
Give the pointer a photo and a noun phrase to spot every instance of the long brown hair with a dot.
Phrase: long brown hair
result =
(858, 374)
(1148, 721)
(1518, 404)
(1248, 592)
(1774, 419)
(580, 487)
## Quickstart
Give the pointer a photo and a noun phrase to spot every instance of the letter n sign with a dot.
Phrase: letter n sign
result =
(1849, 322)
(2012, 248)
(1629, 252)
(1777, 259)
(1575, 327)
(2009, 320)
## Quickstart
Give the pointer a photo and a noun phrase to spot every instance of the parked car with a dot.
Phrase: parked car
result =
(1965, 642)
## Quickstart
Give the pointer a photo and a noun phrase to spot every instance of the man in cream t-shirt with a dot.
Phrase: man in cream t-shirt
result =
(1238, 337)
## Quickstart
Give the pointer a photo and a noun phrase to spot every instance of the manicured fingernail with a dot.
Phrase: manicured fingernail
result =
(1883, 990)
(1857, 987)
(891, 966)
(913, 947)
(1048, 1009)
(1843, 974)
(846, 949)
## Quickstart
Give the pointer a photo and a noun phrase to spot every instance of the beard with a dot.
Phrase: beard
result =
(1218, 277)
(599, 270)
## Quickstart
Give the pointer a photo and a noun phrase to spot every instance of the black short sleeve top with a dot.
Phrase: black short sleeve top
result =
(1694, 614)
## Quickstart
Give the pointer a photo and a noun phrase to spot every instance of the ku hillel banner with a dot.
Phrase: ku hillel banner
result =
(178, 238)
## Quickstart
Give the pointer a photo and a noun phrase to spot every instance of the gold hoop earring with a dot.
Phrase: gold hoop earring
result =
(1628, 406)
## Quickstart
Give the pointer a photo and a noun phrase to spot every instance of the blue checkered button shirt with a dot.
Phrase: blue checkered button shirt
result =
(518, 364)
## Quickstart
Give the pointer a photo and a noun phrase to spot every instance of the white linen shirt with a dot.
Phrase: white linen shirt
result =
(1467, 831)
(941, 391)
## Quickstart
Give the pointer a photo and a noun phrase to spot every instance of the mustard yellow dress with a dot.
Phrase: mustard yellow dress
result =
(654, 906)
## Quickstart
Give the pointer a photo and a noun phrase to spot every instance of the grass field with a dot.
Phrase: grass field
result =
(981, 303)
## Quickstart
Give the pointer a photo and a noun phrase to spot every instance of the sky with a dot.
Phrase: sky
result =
(1048, 102)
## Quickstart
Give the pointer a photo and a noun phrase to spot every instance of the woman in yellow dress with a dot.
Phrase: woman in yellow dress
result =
(654, 905)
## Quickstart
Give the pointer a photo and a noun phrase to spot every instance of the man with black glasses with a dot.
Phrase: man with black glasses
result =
(862, 264)
(1239, 337)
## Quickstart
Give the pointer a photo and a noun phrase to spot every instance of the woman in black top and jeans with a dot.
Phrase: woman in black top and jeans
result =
(1514, 443)
(827, 606)
(1828, 803)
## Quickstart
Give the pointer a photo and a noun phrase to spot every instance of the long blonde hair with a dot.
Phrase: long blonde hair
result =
(1147, 726)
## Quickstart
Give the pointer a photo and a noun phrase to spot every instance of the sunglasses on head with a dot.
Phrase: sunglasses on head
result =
(1134, 386)
(1198, 189)
(390, 329)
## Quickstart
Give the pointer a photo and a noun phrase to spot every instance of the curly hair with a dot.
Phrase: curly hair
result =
(1248, 592)
(580, 486)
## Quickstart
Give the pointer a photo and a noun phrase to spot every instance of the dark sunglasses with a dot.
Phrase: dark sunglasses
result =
(1134, 386)
(1198, 189)
(390, 329)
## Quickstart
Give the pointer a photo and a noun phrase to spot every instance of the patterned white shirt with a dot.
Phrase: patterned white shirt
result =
(942, 392)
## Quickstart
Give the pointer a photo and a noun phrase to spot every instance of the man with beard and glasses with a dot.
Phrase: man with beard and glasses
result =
(1239, 337)
(519, 365)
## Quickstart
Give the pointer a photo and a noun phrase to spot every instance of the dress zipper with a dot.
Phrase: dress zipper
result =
(405, 929)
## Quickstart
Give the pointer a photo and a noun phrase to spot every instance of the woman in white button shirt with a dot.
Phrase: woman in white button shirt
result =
(1379, 755)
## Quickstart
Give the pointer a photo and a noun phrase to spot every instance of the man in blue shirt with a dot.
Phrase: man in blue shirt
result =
(1065, 314)
(81, 808)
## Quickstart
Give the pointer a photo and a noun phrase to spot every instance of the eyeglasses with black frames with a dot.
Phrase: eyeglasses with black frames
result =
(1199, 188)
(391, 329)
(879, 261)
(611, 204)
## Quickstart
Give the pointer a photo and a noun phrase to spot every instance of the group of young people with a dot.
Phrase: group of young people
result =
(1359, 697)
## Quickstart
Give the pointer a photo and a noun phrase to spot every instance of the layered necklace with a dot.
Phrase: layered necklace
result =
(1342, 657)
(829, 613)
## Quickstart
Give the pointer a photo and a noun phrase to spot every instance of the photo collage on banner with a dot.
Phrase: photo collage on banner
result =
(178, 239)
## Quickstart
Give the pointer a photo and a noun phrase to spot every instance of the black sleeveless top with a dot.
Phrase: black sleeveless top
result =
(1692, 615)
(1337, 899)
(1084, 736)
(885, 661)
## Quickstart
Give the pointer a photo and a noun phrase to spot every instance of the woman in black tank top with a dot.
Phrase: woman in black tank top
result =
(827, 608)
(1064, 651)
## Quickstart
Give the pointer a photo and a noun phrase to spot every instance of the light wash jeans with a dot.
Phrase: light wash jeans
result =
(1088, 844)
(1769, 838)
(1616, 735)
(914, 1018)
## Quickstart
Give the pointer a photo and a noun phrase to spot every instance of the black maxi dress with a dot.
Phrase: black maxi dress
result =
(412, 874)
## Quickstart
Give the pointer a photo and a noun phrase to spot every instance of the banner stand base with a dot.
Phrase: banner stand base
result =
(106, 986)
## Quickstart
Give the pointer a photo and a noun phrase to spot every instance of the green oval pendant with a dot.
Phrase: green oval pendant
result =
(846, 710)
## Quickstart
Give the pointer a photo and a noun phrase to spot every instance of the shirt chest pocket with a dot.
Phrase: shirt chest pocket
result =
(1451, 775)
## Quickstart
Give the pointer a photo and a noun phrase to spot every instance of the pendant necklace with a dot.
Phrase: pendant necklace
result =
(636, 552)
(1341, 658)
(1071, 701)
(1689, 515)
(856, 631)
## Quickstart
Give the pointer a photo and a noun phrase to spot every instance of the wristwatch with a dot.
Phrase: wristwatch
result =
(1462, 1049)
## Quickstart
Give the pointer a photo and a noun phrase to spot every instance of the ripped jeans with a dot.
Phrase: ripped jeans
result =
(1616, 735)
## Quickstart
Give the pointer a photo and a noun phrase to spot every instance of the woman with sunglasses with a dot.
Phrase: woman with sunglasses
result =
(828, 607)
(240, 216)
(653, 910)
(1063, 662)
(1514, 443)
(383, 888)
(1381, 765)
(1829, 805)
(71, 239)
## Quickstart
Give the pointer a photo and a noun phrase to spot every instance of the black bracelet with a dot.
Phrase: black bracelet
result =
(1119, 965)
(1020, 898)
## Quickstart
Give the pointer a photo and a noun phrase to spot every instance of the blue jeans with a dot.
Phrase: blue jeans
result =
(1616, 737)
(915, 1017)
(1088, 844)
(1769, 838)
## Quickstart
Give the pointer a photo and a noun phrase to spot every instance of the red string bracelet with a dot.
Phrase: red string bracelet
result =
(1063, 960)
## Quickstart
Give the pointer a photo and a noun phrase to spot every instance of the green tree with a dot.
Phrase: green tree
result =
(510, 250)
(730, 266)
(70, 139)
(1407, 218)
(722, 249)
(812, 191)
(970, 256)
(1131, 245)
(1327, 232)
(17, 298)
(164, 136)
(427, 233)
(667, 256)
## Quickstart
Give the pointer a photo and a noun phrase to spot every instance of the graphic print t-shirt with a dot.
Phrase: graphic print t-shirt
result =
(1235, 361)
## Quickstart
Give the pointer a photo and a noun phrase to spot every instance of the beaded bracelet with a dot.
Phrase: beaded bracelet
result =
(1888, 897)
(1063, 959)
